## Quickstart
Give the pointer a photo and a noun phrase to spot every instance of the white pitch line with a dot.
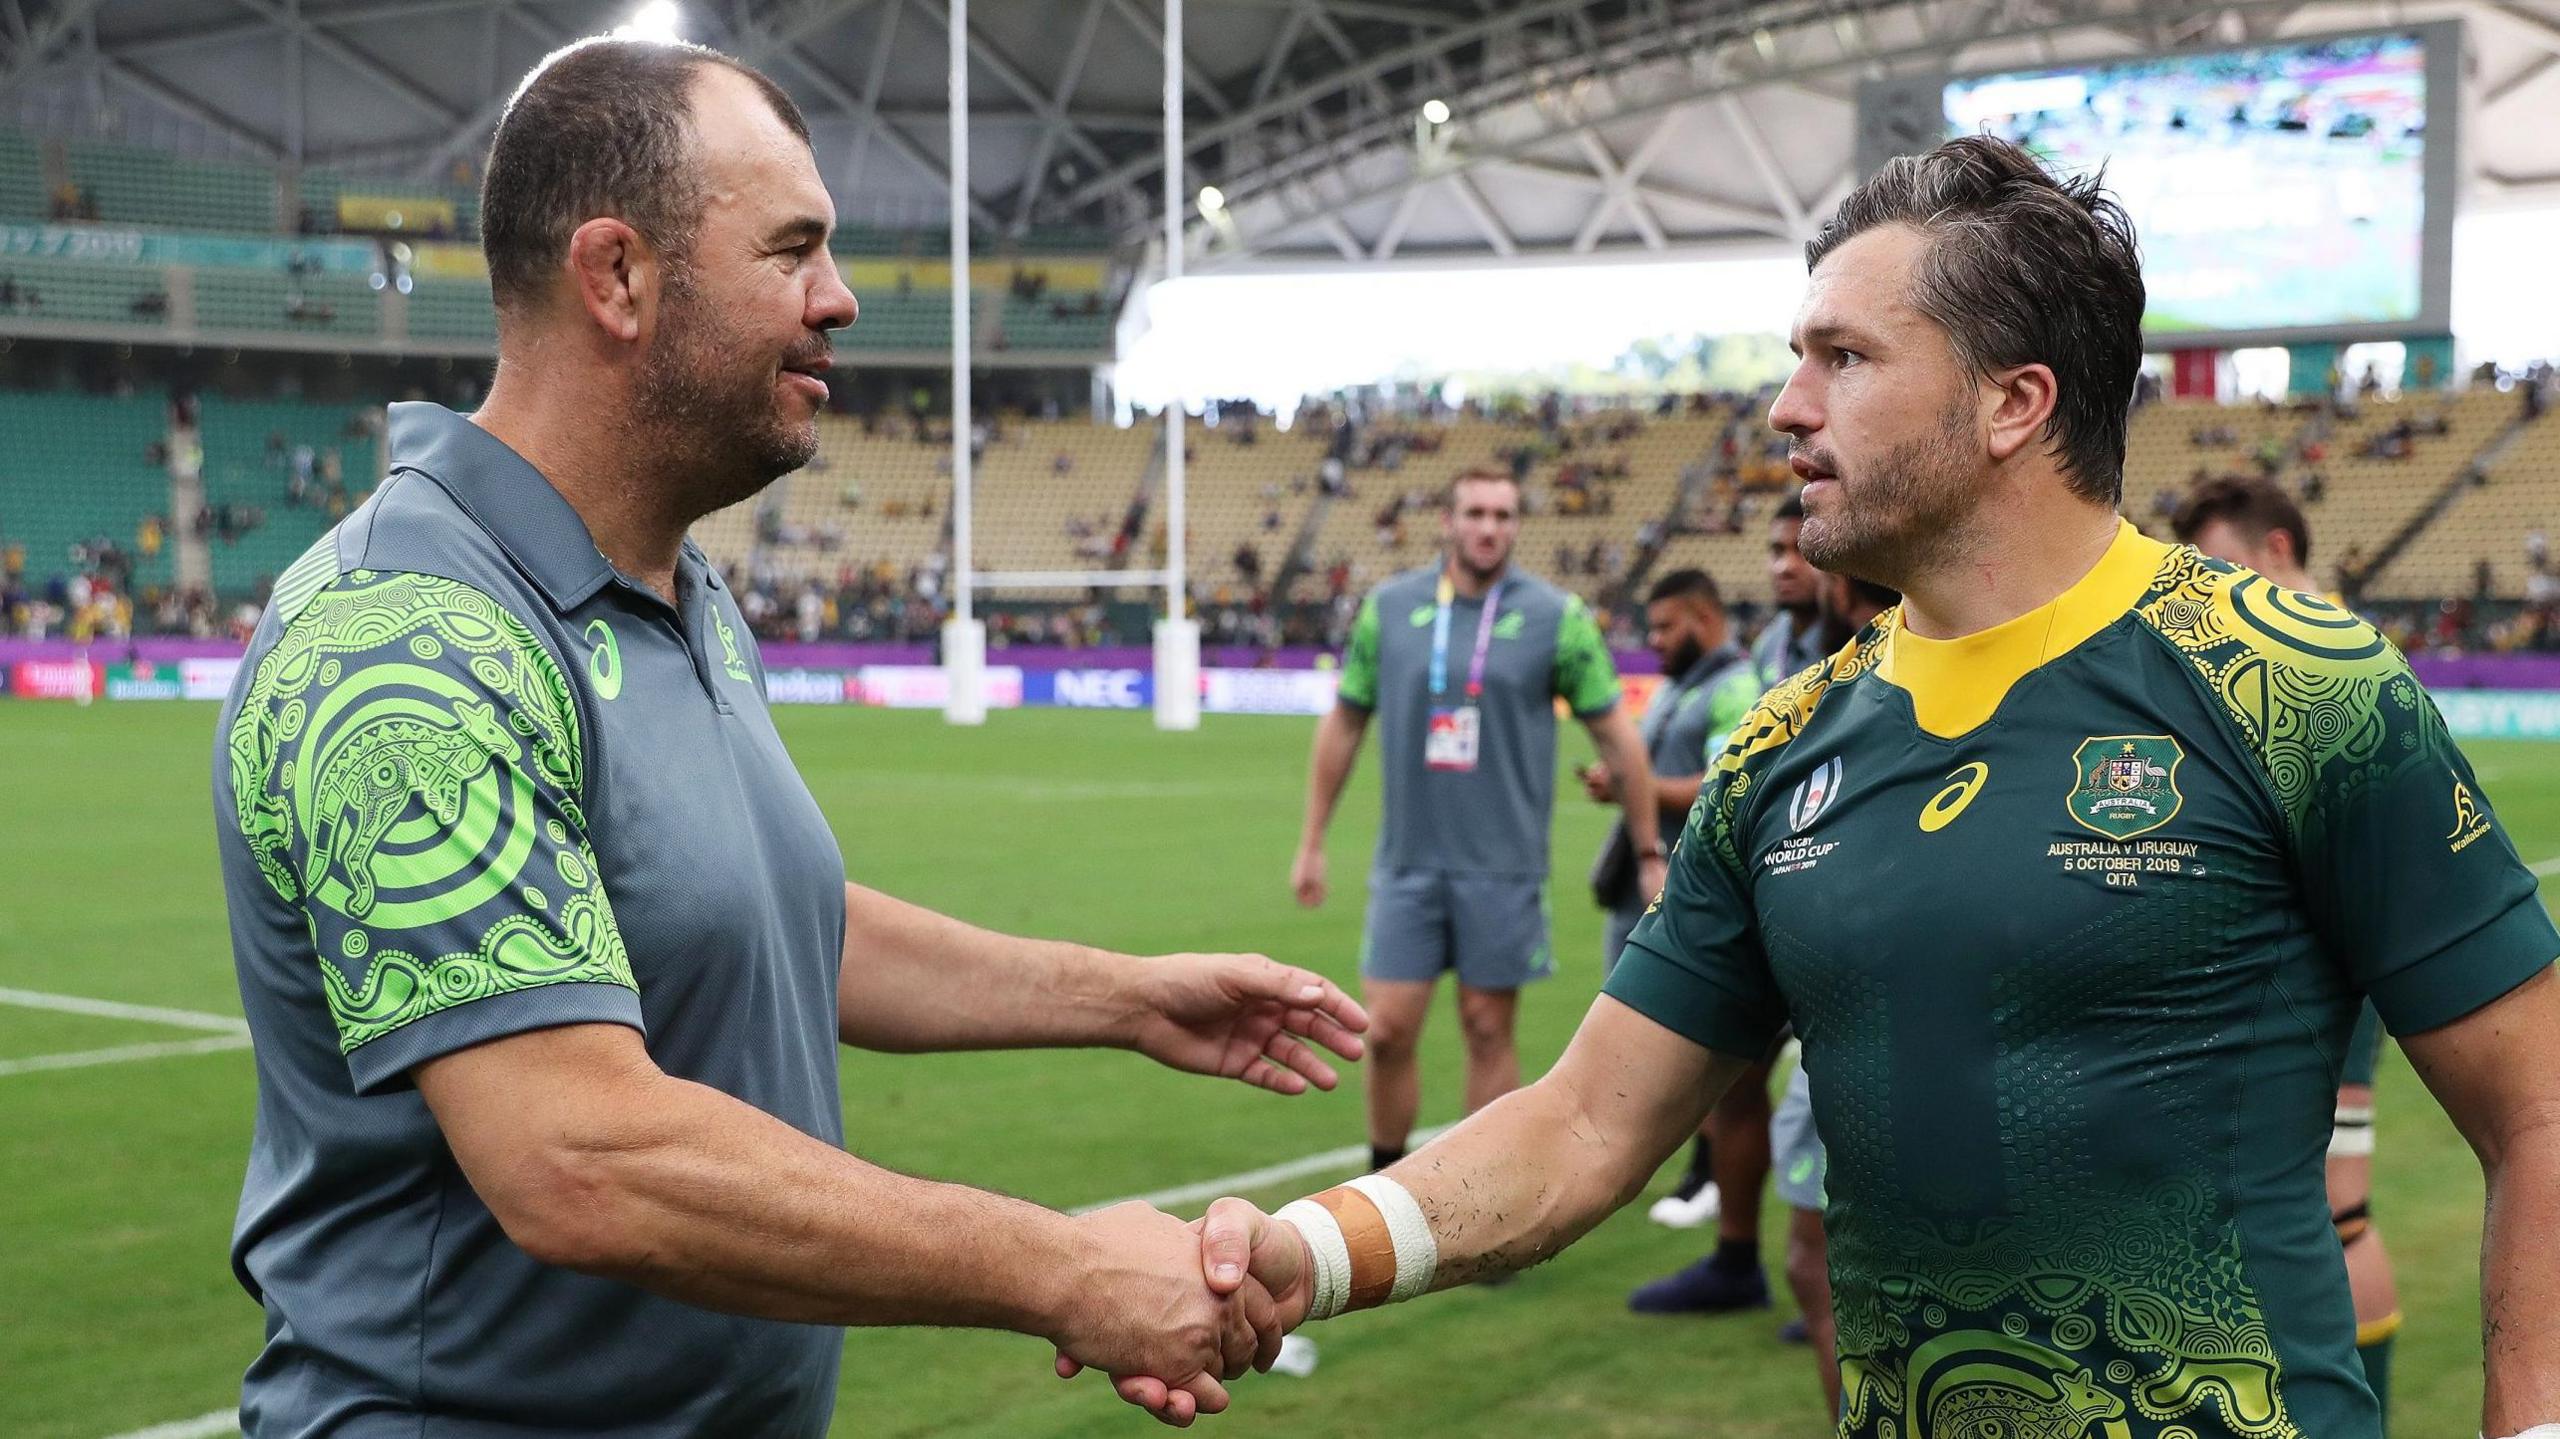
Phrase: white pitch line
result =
(2548, 867)
(123, 1054)
(1225, 1184)
(204, 1426)
(111, 1009)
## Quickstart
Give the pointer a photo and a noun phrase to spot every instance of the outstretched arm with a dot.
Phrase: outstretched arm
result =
(1511, 1187)
(914, 981)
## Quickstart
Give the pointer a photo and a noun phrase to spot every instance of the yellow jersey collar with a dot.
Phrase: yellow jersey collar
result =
(1956, 684)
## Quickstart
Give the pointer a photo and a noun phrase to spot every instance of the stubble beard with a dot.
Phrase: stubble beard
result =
(1905, 513)
(712, 424)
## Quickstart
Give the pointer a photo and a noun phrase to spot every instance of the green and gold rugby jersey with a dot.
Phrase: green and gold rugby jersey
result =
(2074, 917)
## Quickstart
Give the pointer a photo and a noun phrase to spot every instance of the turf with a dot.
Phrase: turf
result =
(121, 1311)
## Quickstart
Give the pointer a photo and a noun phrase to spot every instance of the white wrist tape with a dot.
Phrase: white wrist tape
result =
(2352, 1136)
(2539, 1431)
(1332, 1279)
(1417, 1252)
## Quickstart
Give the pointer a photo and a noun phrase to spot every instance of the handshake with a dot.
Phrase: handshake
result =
(1173, 1310)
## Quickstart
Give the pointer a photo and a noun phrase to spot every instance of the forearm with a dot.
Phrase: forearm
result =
(1521, 1180)
(2520, 1286)
(1622, 750)
(1674, 798)
(915, 981)
(699, 1197)
(1337, 746)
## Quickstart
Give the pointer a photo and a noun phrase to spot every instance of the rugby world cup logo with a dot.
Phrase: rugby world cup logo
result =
(1814, 795)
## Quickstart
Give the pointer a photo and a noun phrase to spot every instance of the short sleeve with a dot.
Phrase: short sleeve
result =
(1359, 688)
(1729, 703)
(1586, 678)
(1694, 964)
(2403, 867)
(408, 768)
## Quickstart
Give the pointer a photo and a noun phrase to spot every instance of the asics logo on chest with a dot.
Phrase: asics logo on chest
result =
(1946, 804)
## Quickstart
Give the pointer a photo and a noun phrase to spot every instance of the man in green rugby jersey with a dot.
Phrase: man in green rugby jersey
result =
(2072, 873)
(2249, 520)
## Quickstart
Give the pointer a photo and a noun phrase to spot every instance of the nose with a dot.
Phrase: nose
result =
(1797, 410)
(832, 305)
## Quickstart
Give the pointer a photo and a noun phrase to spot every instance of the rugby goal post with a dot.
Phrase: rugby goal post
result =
(964, 635)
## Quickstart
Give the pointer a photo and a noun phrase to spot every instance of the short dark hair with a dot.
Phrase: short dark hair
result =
(1683, 585)
(2023, 267)
(1791, 507)
(2252, 504)
(598, 128)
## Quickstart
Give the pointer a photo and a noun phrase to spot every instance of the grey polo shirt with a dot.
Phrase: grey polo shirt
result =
(1545, 646)
(1783, 651)
(1683, 727)
(471, 782)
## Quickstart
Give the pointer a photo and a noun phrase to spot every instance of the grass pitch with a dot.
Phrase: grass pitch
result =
(118, 1310)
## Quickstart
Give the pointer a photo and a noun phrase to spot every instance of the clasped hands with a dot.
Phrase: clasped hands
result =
(1171, 1310)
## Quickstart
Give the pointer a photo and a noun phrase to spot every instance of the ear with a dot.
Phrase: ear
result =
(2279, 545)
(616, 275)
(2020, 404)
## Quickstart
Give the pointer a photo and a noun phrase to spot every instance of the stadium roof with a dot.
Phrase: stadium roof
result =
(1577, 127)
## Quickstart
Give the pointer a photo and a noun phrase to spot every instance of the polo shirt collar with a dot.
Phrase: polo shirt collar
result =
(507, 496)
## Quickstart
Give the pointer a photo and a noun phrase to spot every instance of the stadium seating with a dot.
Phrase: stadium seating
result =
(130, 185)
(80, 292)
(452, 310)
(1654, 455)
(241, 469)
(2367, 500)
(78, 467)
(264, 300)
(2521, 493)
(1230, 489)
(1055, 322)
(21, 178)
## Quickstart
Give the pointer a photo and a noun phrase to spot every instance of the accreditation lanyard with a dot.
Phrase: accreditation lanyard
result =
(1484, 638)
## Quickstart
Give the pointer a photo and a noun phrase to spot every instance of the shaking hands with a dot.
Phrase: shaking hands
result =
(1177, 1309)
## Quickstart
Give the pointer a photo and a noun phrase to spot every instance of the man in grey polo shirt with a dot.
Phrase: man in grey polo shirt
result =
(1708, 685)
(546, 948)
(1462, 663)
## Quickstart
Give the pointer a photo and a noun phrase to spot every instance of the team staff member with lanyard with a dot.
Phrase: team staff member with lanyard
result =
(545, 946)
(1459, 880)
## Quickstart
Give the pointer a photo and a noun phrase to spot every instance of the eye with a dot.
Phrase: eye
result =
(1843, 359)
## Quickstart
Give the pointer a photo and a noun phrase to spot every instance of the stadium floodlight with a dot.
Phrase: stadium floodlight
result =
(656, 20)
(1212, 200)
(1435, 112)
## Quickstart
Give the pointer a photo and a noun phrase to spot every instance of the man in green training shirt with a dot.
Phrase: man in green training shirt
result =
(1462, 664)
(2071, 873)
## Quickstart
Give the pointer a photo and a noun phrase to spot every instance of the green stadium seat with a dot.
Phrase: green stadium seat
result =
(451, 310)
(77, 467)
(77, 292)
(239, 469)
(21, 178)
(134, 186)
(311, 305)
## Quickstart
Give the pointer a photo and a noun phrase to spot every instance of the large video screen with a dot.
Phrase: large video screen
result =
(2278, 190)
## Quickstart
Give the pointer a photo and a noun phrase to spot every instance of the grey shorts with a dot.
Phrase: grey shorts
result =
(1795, 1151)
(1491, 929)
